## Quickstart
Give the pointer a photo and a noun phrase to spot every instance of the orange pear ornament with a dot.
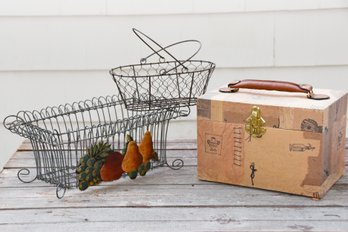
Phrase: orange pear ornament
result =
(147, 152)
(132, 160)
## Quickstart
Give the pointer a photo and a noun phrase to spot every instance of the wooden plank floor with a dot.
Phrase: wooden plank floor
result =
(163, 200)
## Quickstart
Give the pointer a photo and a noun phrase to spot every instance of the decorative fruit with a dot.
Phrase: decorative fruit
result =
(144, 167)
(146, 147)
(88, 168)
(128, 139)
(147, 152)
(112, 168)
(132, 160)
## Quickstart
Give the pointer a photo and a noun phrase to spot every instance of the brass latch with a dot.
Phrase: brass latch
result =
(254, 124)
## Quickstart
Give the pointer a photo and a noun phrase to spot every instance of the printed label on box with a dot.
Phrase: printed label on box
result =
(213, 144)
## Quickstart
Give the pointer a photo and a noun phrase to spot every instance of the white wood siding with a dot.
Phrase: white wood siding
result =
(54, 51)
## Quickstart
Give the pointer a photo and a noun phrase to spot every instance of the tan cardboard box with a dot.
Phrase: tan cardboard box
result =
(298, 148)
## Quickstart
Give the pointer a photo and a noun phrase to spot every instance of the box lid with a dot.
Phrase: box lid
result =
(276, 98)
(281, 110)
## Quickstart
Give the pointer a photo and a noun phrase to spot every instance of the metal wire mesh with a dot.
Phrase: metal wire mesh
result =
(151, 87)
(60, 135)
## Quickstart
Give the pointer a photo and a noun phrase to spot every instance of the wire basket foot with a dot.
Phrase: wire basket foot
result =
(176, 164)
(60, 191)
(25, 172)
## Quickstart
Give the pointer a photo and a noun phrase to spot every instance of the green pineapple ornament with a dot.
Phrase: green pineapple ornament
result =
(88, 168)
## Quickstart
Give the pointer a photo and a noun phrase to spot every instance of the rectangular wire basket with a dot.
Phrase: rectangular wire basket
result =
(60, 135)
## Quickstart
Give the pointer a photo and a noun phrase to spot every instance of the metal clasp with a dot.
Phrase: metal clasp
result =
(254, 124)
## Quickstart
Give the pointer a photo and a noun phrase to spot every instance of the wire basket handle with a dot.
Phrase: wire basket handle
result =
(140, 35)
(16, 125)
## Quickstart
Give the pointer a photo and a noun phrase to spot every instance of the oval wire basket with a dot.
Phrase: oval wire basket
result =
(164, 84)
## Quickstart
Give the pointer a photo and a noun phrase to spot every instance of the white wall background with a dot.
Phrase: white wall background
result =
(57, 51)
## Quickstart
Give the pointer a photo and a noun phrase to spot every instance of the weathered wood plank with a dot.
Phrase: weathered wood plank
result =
(163, 196)
(224, 214)
(187, 225)
(159, 176)
(202, 218)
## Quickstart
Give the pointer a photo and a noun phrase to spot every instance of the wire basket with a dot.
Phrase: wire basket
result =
(163, 84)
(60, 135)
(149, 96)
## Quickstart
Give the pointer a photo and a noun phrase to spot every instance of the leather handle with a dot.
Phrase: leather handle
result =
(273, 85)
